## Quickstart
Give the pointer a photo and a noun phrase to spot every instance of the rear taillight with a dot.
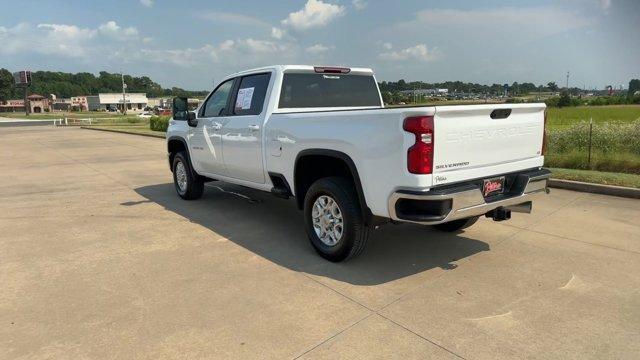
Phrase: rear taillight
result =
(420, 154)
(544, 134)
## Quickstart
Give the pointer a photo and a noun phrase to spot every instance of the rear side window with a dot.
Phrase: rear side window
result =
(328, 90)
(251, 93)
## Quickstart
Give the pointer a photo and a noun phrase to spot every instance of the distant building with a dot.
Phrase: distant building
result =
(12, 106)
(61, 104)
(135, 102)
(38, 104)
(167, 103)
(160, 102)
(79, 103)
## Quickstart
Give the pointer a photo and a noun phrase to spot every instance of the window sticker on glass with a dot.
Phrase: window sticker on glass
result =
(243, 100)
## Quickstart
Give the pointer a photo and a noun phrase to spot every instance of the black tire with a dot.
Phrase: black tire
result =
(194, 183)
(457, 225)
(354, 232)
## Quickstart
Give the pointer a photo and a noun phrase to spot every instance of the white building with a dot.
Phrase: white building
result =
(135, 102)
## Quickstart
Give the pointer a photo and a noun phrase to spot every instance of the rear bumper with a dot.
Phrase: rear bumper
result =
(444, 204)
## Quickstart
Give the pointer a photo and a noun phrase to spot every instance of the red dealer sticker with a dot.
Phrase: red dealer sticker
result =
(493, 186)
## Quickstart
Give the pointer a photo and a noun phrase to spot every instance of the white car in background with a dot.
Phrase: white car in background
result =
(145, 115)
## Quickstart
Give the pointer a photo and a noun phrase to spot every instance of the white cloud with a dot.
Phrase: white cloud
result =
(277, 33)
(418, 52)
(112, 30)
(318, 49)
(359, 4)
(48, 39)
(228, 52)
(387, 45)
(232, 18)
(605, 4)
(180, 57)
(69, 41)
(147, 3)
(315, 14)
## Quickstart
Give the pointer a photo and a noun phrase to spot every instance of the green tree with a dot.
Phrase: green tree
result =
(565, 99)
(552, 86)
(634, 85)
(7, 90)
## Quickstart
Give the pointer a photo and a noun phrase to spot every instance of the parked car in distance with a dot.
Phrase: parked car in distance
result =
(322, 136)
(145, 115)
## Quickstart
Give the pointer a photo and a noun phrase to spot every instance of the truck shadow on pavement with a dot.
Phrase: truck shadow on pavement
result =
(273, 228)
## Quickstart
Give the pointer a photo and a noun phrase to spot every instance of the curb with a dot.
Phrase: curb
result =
(610, 190)
(124, 132)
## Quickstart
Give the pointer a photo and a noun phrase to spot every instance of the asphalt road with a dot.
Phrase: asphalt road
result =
(100, 259)
(10, 122)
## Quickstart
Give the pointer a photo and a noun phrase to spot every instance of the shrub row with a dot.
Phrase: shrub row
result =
(159, 123)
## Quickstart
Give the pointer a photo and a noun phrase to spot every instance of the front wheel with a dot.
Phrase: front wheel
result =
(456, 225)
(188, 184)
(333, 219)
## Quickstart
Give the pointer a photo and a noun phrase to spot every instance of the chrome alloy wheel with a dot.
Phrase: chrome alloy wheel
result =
(327, 220)
(181, 177)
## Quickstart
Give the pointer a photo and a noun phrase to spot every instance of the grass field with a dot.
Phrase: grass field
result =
(614, 140)
(566, 116)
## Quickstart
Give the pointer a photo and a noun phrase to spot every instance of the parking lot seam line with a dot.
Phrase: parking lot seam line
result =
(338, 292)
(583, 242)
(424, 338)
(333, 336)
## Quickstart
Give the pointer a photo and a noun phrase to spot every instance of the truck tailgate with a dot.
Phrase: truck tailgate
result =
(470, 137)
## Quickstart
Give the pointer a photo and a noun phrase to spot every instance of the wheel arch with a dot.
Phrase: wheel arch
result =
(301, 184)
(174, 145)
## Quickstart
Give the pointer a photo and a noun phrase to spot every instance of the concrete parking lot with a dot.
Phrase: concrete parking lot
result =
(100, 259)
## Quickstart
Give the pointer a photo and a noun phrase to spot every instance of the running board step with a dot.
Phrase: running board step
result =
(280, 192)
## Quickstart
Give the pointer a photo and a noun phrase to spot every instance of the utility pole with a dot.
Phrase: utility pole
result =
(567, 80)
(124, 97)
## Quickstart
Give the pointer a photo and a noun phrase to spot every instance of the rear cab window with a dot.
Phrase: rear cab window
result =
(325, 90)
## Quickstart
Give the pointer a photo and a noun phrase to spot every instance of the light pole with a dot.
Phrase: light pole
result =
(124, 97)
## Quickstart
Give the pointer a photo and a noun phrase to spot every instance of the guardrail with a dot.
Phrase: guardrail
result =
(80, 121)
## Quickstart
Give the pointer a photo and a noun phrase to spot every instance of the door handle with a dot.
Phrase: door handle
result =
(216, 126)
(254, 127)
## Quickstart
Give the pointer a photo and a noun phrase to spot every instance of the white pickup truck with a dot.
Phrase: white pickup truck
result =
(323, 136)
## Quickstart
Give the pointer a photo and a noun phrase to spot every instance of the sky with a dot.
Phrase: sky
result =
(191, 43)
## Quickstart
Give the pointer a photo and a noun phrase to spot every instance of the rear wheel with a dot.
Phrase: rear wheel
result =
(457, 225)
(188, 184)
(333, 219)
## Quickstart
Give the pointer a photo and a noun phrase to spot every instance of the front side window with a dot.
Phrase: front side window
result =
(217, 102)
(251, 93)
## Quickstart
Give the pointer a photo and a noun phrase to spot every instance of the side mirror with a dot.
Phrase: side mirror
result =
(180, 107)
(191, 119)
